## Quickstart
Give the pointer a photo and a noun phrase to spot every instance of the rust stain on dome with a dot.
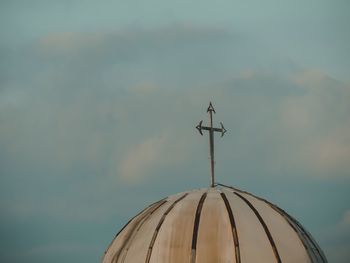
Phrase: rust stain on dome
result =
(218, 224)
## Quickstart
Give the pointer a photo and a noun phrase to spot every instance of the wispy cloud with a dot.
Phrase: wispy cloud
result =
(319, 122)
(140, 159)
(82, 115)
(336, 239)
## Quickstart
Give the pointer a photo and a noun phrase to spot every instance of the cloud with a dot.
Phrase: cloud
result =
(85, 118)
(57, 252)
(141, 158)
(154, 154)
(329, 153)
(318, 123)
(336, 239)
(66, 43)
(345, 221)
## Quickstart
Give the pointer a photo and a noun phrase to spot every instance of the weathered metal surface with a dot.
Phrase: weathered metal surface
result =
(174, 240)
(291, 249)
(215, 240)
(159, 225)
(227, 226)
(132, 241)
(116, 246)
(138, 249)
(233, 228)
(314, 251)
(196, 227)
(262, 222)
(253, 241)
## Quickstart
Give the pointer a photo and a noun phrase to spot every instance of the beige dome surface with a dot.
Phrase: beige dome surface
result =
(221, 224)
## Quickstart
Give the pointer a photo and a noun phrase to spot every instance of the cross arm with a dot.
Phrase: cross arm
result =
(222, 129)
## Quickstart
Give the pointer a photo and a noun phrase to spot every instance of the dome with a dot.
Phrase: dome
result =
(212, 225)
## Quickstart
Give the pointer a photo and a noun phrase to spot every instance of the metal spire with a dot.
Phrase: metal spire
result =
(211, 130)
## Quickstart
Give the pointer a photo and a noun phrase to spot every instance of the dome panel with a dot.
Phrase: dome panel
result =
(174, 240)
(137, 247)
(288, 243)
(254, 244)
(220, 224)
(314, 251)
(215, 235)
(121, 239)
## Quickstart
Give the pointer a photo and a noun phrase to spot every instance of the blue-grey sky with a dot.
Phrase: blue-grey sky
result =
(99, 100)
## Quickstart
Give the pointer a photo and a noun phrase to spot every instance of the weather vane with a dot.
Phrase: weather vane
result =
(211, 130)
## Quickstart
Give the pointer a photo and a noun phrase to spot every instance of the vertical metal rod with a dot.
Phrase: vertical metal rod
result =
(211, 144)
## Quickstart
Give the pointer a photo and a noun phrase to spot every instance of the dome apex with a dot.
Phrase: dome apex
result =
(218, 224)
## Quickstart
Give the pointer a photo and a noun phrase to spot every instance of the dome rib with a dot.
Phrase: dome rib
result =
(218, 224)
(305, 236)
(128, 241)
(267, 231)
(311, 247)
(300, 232)
(160, 223)
(196, 226)
(233, 227)
(136, 218)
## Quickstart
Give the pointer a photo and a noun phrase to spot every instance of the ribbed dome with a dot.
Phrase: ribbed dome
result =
(220, 224)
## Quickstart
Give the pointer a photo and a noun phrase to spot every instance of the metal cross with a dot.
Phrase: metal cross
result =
(211, 130)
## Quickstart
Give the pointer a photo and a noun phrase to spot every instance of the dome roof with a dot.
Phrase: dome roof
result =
(220, 224)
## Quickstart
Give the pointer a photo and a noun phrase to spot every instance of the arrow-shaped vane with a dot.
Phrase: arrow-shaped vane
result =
(211, 130)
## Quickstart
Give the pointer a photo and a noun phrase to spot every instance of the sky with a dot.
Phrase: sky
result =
(99, 101)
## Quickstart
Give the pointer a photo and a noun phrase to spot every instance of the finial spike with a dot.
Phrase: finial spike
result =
(211, 108)
(211, 131)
